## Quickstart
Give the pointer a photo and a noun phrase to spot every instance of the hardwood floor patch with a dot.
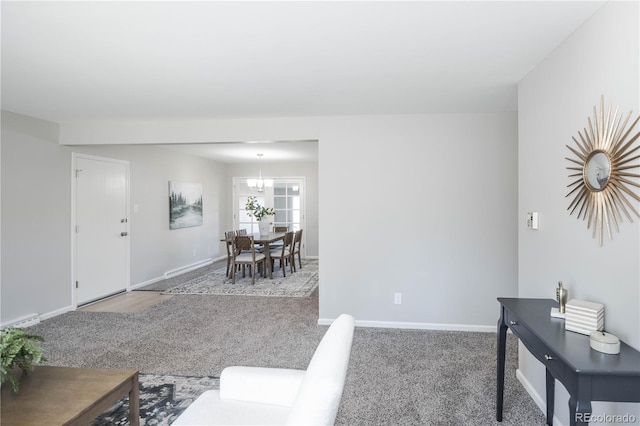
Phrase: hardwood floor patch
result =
(133, 301)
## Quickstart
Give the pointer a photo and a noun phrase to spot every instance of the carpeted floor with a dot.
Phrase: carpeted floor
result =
(300, 283)
(395, 377)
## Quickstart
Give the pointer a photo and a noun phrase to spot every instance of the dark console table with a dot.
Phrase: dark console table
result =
(587, 374)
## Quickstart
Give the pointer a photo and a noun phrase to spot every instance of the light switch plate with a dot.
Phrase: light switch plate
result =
(532, 220)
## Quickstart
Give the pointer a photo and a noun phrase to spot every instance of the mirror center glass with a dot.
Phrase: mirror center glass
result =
(597, 170)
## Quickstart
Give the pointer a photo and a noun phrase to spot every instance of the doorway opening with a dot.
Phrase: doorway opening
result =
(286, 197)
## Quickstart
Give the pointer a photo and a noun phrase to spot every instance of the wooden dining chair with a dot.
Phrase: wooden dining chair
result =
(244, 254)
(278, 229)
(243, 231)
(284, 254)
(297, 243)
(228, 236)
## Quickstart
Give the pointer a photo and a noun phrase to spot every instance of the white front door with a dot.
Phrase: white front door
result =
(101, 227)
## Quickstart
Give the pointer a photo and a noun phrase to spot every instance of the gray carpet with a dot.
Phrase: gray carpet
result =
(300, 283)
(395, 377)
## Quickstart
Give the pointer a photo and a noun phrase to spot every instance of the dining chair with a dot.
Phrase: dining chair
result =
(228, 236)
(297, 243)
(278, 229)
(284, 254)
(244, 253)
(244, 232)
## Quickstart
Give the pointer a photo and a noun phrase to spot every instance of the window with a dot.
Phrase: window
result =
(287, 204)
(286, 198)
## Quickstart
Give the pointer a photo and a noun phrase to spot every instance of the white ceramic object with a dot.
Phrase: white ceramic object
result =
(604, 342)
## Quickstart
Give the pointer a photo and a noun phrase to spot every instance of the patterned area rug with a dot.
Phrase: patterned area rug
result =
(162, 399)
(301, 283)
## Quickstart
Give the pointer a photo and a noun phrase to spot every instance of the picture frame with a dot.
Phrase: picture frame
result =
(185, 204)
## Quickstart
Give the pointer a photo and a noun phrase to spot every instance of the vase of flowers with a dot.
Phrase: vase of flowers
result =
(264, 215)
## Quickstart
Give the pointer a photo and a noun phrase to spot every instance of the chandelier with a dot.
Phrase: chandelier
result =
(260, 184)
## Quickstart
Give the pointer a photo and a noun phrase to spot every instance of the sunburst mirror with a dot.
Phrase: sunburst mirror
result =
(603, 167)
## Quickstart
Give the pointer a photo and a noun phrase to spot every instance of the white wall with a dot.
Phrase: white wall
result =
(36, 198)
(555, 99)
(36, 214)
(423, 205)
(430, 205)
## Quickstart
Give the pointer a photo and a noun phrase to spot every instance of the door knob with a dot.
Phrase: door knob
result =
(123, 234)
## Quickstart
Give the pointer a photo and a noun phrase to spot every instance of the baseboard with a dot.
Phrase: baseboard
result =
(145, 283)
(183, 269)
(57, 312)
(22, 322)
(537, 398)
(37, 318)
(418, 325)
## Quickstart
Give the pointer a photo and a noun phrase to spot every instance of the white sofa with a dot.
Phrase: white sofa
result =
(277, 396)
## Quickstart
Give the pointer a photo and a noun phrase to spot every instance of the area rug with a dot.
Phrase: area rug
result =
(162, 399)
(301, 283)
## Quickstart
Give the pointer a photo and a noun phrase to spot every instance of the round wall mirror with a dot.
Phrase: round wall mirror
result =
(602, 168)
(597, 170)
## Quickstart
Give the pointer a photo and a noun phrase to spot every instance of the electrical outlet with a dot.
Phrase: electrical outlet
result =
(194, 252)
(397, 298)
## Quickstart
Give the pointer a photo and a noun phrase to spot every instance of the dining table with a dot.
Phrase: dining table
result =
(266, 240)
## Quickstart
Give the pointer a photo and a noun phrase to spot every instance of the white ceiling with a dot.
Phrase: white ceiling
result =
(247, 152)
(143, 60)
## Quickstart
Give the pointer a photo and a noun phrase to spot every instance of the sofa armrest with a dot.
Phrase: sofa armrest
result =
(277, 386)
(321, 391)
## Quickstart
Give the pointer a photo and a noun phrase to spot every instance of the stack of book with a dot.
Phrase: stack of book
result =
(584, 317)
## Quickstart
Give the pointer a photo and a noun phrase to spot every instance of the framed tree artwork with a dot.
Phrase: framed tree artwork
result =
(185, 204)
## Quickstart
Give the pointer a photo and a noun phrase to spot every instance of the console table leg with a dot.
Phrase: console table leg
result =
(579, 412)
(502, 345)
(550, 388)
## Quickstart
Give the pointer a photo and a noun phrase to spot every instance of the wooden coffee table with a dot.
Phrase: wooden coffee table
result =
(68, 396)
